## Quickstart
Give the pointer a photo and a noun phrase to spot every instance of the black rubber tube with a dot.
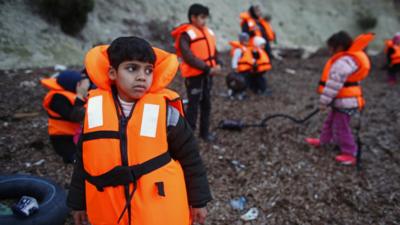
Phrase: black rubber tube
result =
(50, 196)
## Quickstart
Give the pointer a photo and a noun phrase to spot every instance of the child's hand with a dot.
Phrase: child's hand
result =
(323, 108)
(198, 215)
(216, 70)
(80, 217)
(82, 88)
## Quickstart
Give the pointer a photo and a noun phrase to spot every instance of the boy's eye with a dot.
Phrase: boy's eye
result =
(148, 71)
(131, 68)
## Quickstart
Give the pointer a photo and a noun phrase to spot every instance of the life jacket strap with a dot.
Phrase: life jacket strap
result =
(125, 175)
(346, 84)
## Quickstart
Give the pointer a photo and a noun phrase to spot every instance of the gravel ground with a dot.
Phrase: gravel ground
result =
(288, 181)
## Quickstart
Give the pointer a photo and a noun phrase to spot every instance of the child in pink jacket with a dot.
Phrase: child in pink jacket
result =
(345, 65)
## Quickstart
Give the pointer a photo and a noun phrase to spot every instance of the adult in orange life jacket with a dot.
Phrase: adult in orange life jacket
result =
(139, 162)
(340, 89)
(195, 44)
(64, 104)
(255, 25)
(392, 51)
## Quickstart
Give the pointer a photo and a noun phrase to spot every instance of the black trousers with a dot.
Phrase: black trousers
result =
(64, 146)
(257, 82)
(268, 49)
(199, 94)
(393, 70)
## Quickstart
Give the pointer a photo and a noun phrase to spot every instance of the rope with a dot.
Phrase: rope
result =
(263, 122)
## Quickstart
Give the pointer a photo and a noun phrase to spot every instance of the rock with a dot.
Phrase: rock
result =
(29, 84)
(252, 214)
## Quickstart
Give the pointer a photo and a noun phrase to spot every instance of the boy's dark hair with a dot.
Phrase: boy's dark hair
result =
(130, 48)
(196, 10)
(340, 39)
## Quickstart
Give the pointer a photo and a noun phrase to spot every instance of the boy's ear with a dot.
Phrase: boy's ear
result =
(112, 73)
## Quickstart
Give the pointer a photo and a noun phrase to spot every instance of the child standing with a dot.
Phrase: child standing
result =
(195, 43)
(139, 162)
(64, 104)
(340, 89)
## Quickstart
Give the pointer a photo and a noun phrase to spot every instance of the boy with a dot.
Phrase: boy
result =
(195, 43)
(254, 25)
(340, 89)
(138, 154)
(64, 104)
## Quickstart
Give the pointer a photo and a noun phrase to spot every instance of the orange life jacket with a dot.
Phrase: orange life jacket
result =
(388, 45)
(247, 63)
(252, 24)
(236, 45)
(130, 176)
(395, 57)
(56, 124)
(352, 86)
(202, 45)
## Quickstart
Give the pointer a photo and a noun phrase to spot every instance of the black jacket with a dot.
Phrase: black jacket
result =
(61, 105)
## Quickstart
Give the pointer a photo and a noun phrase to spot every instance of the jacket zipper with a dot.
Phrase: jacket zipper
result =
(123, 122)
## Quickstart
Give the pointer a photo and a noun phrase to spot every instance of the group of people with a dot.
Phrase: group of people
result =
(251, 55)
(134, 148)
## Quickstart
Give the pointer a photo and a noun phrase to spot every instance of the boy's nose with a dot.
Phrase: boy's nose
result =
(141, 75)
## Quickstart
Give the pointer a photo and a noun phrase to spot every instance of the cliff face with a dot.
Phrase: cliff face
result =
(27, 40)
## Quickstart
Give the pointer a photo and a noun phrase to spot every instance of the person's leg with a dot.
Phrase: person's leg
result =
(252, 82)
(65, 147)
(205, 104)
(261, 83)
(343, 134)
(268, 49)
(326, 131)
(392, 75)
(194, 91)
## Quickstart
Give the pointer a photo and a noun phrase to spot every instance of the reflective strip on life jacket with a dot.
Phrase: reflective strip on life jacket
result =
(130, 176)
(202, 45)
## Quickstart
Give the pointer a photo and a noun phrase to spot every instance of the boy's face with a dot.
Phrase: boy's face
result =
(133, 79)
(199, 20)
(257, 11)
(333, 50)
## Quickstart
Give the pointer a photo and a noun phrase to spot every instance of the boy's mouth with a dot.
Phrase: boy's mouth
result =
(139, 88)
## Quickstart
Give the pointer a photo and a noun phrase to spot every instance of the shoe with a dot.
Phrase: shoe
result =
(346, 159)
(208, 138)
(315, 142)
(392, 82)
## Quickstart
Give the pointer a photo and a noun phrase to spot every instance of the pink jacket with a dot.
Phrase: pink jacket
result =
(340, 70)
